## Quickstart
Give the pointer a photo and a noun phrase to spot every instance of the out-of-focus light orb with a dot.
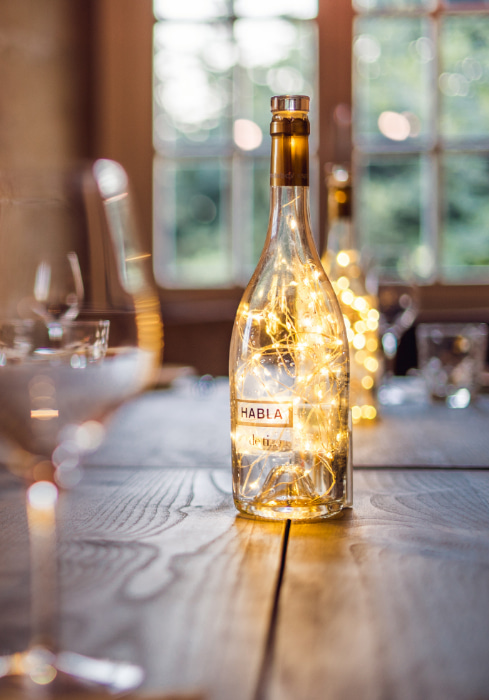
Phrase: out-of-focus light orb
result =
(472, 69)
(424, 49)
(247, 135)
(371, 364)
(285, 80)
(341, 174)
(89, 435)
(358, 341)
(454, 84)
(360, 304)
(423, 261)
(460, 399)
(369, 412)
(367, 382)
(394, 126)
(42, 495)
(343, 258)
(356, 413)
(111, 177)
(367, 48)
(360, 356)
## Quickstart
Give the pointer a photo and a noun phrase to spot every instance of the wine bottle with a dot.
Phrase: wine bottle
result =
(289, 361)
(348, 272)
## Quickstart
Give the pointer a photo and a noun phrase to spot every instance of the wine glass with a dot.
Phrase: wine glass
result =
(58, 291)
(398, 298)
(80, 333)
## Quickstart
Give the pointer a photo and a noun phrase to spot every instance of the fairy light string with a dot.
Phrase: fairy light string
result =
(345, 269)
(362, 321)
(294, 349)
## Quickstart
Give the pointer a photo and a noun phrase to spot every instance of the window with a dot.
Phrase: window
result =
(216, 65)
(421, 135)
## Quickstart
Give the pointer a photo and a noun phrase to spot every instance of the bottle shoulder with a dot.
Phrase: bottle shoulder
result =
(295, 283)
(283, 304)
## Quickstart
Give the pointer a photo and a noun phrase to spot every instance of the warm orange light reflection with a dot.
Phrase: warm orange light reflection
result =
(44, 413)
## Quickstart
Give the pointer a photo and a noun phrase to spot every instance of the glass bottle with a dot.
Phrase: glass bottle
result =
(289, 362)
(345, 268)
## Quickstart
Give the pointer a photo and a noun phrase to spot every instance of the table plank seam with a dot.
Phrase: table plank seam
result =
(268, 653)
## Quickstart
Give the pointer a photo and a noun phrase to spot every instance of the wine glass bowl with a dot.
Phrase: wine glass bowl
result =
(398, 305)
(398, 298)
(51, 382)
(56, 303)
(80, 333)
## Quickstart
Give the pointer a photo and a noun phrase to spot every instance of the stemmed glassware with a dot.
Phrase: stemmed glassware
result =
(398, 297)
(58, 291)
(80, 333)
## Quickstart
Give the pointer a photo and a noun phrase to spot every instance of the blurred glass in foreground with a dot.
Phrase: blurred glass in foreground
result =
(80, 334)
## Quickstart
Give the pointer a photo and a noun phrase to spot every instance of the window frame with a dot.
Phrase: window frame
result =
(122, 129)
(439, 301)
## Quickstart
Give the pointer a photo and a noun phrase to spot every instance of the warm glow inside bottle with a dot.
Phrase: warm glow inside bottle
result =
(346, 270)
(289, 361)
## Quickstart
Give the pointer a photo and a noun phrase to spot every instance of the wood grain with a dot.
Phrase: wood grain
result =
(392, 601)
(425, 434)
(14, 566)
(157, 567)
(389, 602)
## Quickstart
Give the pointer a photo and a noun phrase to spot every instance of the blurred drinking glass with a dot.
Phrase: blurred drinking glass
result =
(398, 307)
(80, 333)
(451, 360)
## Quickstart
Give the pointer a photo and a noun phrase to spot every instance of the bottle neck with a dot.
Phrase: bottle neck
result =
(291, 205)
(289, 165)
(289, 226)
(340, 228)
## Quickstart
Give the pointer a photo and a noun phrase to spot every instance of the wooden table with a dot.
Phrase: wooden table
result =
(389, 602)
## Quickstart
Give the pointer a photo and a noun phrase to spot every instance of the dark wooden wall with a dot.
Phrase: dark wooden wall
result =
(44, 78)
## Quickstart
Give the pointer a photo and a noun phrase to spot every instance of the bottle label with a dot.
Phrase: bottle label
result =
(251, 439)
(264, 426)
(265, 413)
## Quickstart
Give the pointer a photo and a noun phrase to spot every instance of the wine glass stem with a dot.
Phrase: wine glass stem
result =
(42, 538)
(390, 344)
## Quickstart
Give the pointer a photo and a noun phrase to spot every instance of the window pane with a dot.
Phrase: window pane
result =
(302, 9)
(391, 209)
(192, 242)
(464, 82)
(366, 5)
(190, 9)
(251, 205)
(465, 245)
(276, 56)
(213, 80)
(393, 96)
(193, 90)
